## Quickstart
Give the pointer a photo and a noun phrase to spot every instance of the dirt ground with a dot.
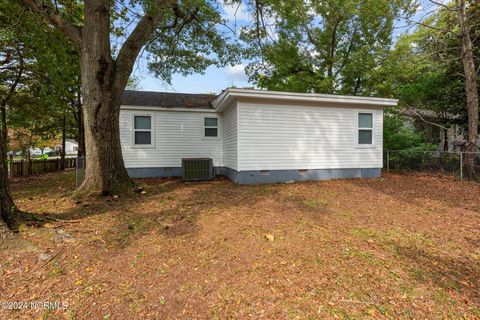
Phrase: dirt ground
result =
(401, 246)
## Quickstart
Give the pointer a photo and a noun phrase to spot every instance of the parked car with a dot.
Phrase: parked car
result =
(14, 153)
(35, 152)
(47, 150)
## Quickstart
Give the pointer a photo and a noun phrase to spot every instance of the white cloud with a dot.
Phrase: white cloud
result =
(236, 73)
(235, 12)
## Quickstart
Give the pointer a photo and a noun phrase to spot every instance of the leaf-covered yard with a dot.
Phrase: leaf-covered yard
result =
(403, 246)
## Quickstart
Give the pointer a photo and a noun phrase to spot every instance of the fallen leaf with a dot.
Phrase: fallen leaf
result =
(270, 237)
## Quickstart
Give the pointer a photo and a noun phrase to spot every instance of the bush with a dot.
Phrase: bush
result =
(415, 158)
(51, 154)
(396, 136)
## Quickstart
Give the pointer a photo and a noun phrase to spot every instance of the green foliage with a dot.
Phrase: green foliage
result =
(133, 83)
(396, 136)
(187, 40)
(422, 159)
(425, 70)
(345, 47)
(328, 46)
(46, 67)
(193, 43)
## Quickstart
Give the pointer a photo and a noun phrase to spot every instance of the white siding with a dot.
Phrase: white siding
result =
(230, 142)
(283, 137)
(70, 147)
(177, 135)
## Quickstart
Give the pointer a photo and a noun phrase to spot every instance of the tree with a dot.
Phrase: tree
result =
(420, 73)
(43, 105)
(7, 207)
(457, 24)
(328, 46)
(397, 136)
(471, 77)
(428, 69)
(175, 32)
(39, 74)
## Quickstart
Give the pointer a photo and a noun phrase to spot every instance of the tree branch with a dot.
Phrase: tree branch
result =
(73, 32)
(438, 125)
(446, 7)
(136, 40)
(13, 87)
(429, 26)
(347, 54)
(18, 20)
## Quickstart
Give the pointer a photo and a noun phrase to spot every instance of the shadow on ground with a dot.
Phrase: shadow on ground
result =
(416, 188)
(460, 274)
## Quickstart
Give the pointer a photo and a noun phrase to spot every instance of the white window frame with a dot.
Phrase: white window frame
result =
(205, 127)
(358, 128)
(152, 130)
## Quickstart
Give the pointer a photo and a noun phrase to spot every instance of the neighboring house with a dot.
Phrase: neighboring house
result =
(442, 129)
(254, 136)
(71, 147)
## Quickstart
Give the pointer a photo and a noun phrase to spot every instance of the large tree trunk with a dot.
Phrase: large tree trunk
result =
(7, 207)
(470, 85)
(3, 141)
(470, 75)
(3, 107)
(105, 169)
(103, 83)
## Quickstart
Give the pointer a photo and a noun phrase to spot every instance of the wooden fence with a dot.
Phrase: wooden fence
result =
(19, 168)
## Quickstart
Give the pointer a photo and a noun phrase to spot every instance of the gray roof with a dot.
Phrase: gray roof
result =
(167, 99)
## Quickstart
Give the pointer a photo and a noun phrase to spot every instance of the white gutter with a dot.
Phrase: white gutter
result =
(222, 101)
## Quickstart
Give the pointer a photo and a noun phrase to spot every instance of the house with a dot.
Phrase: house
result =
(440, 128)
(254, 136)
(71, 147)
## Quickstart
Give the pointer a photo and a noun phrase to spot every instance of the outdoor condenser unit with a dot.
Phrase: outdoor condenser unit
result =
(197, 169)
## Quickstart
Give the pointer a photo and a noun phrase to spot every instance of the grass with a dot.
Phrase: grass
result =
(402, 246)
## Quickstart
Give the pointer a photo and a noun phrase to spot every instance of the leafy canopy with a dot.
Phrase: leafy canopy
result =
(326, 46)
(39, 73)
(425, 71)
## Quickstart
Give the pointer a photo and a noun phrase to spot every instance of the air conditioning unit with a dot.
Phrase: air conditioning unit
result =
(197, 169)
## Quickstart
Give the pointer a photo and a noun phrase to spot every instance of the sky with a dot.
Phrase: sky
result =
(215, 79)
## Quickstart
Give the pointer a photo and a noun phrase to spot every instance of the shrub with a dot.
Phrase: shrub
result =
(397, 136)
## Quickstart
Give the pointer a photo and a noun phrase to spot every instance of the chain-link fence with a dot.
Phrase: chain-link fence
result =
(80, 171)
(463, 165)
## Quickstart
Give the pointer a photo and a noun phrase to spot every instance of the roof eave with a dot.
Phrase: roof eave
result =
(228, 96)
(158, 108)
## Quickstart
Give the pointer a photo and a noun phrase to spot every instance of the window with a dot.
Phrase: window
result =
(365, 128)
(211, 127)
(142, 130)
